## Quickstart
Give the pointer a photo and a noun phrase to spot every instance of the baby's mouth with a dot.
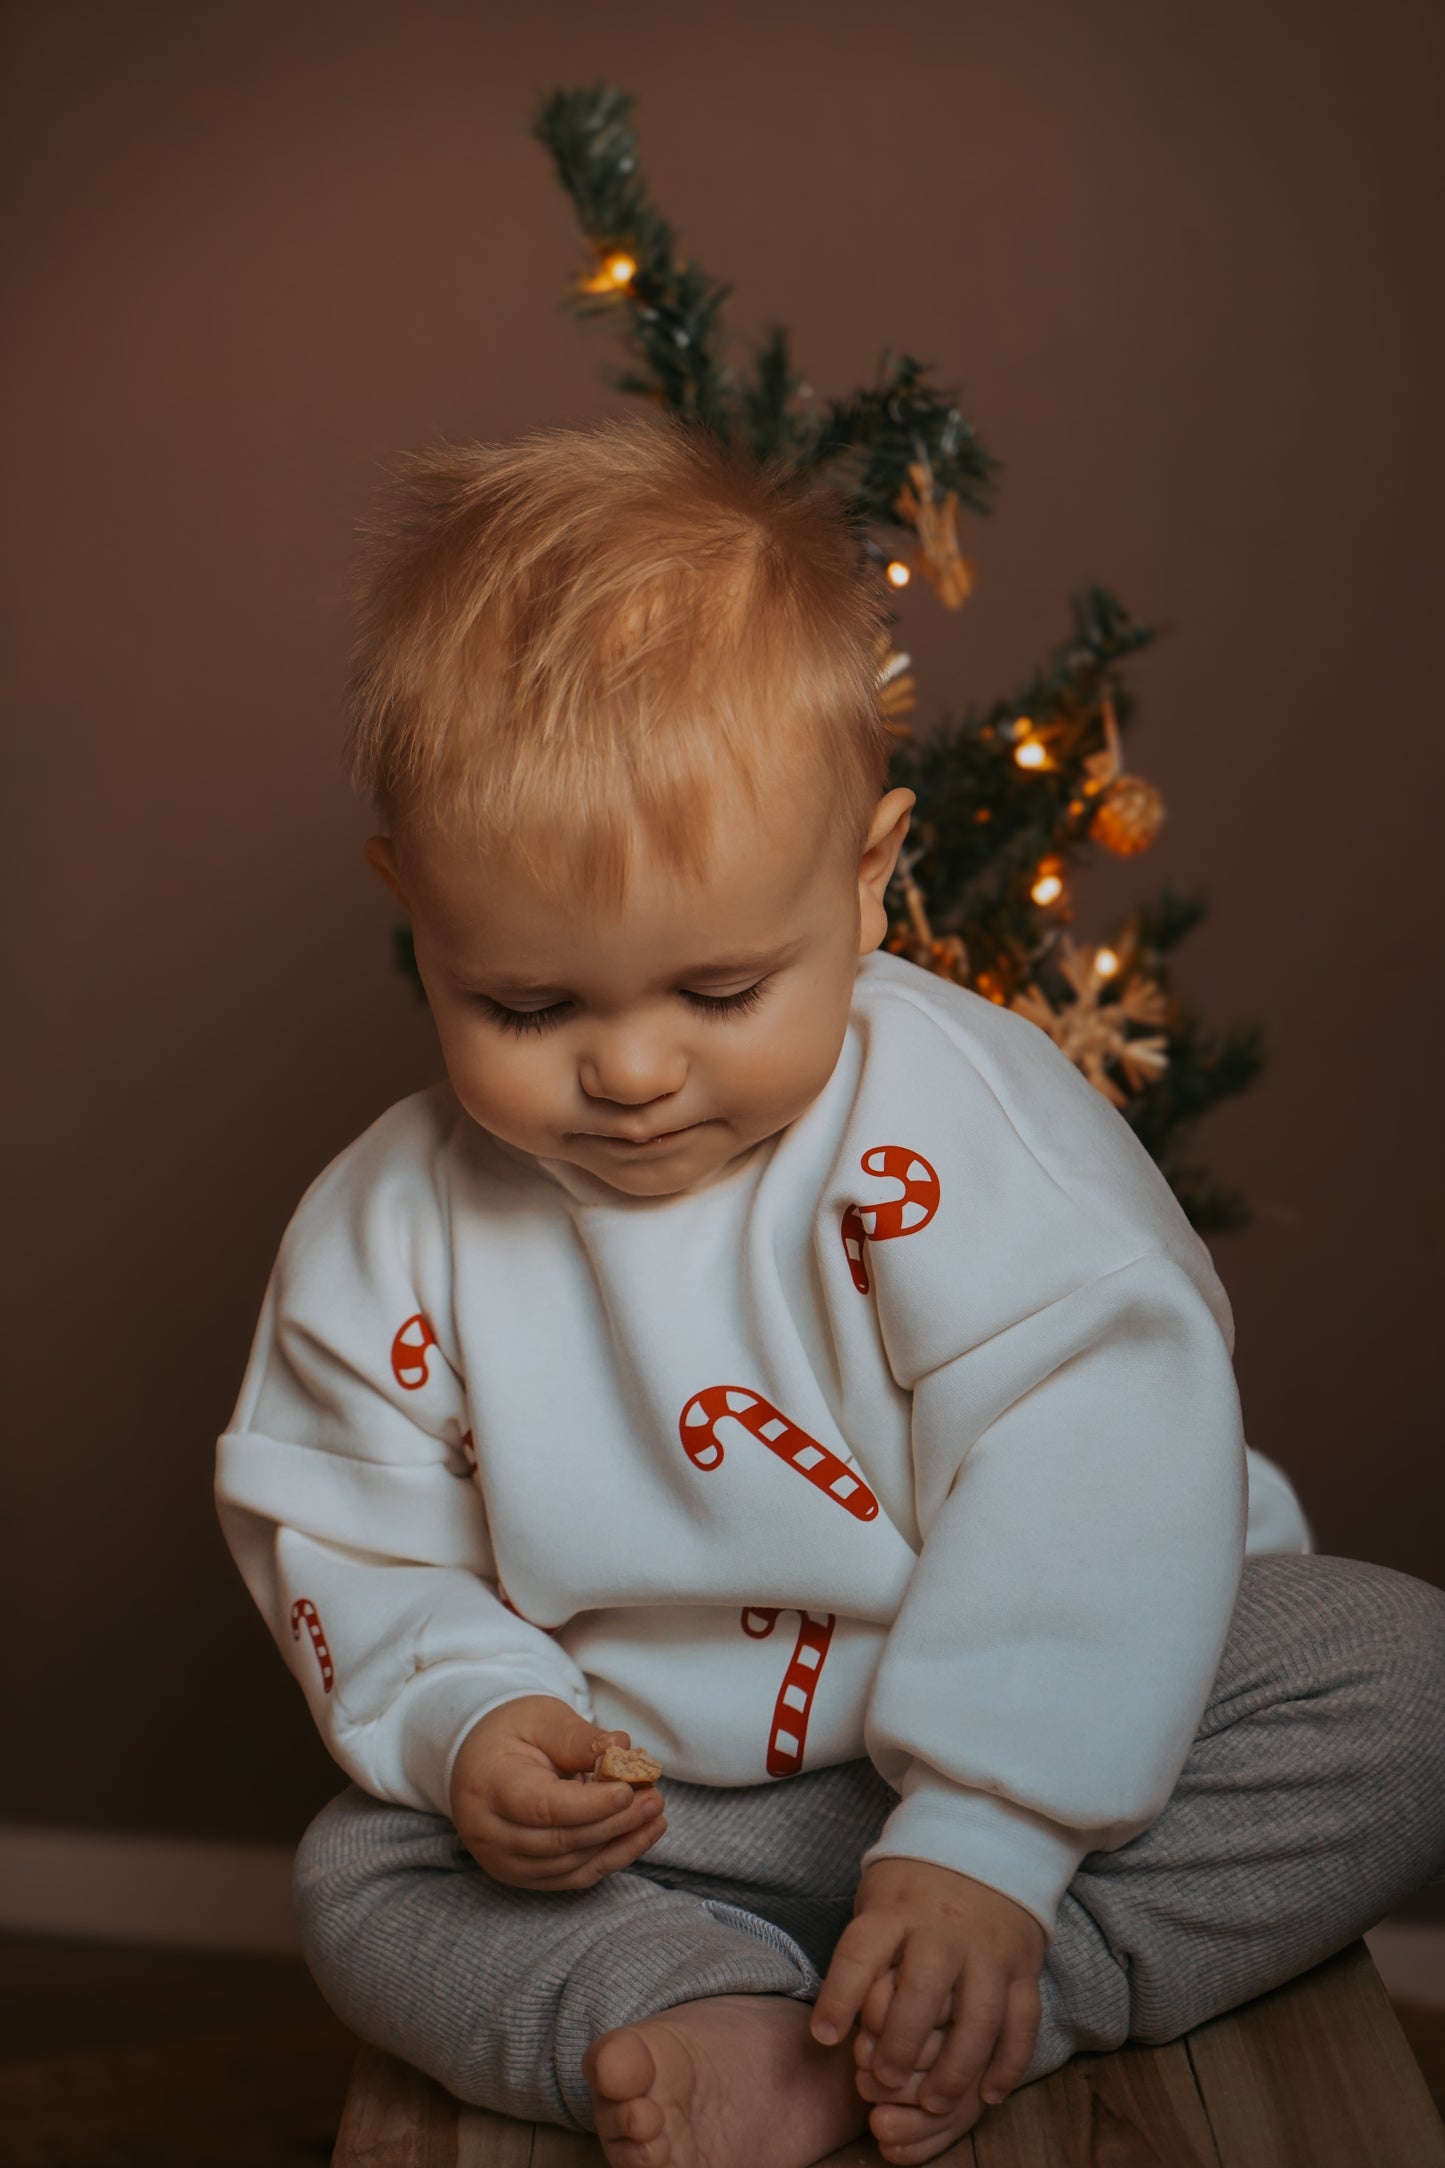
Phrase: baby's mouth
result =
(641, 1144)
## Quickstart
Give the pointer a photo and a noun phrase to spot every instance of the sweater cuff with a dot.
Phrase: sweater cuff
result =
(443, 1704)
(1022, 1854)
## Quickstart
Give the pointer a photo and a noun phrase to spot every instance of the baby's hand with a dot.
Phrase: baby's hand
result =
(521, 1812)
(964, 1963)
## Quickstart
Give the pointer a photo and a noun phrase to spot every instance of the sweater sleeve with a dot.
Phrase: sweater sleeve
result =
(344, 1486)
(1081, 1494)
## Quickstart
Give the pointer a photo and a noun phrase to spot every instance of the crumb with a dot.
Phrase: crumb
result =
(626, 1765)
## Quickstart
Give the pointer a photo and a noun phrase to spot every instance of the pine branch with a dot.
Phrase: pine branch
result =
(870, 440)
(768, 403)
(986, 824)
(671, 308)
(989, 821)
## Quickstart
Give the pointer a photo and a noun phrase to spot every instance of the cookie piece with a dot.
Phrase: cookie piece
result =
(626, 1765)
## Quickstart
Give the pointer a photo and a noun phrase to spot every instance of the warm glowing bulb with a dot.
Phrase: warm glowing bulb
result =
(1106, 963)
(1047, 888)
(620, 269)
(898, 573)
(1031, 754)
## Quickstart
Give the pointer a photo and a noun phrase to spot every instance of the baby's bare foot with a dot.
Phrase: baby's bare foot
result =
(713, 2084)
(905, 2133)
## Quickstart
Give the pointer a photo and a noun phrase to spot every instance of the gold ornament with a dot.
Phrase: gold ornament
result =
(1130, 811)
(1128, 817)
(1093, 1032)
(949, 573)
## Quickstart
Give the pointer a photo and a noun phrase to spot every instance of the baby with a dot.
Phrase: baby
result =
(763, 1354)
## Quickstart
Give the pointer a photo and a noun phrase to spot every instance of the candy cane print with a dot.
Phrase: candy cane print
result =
(904, 1214)
(788, 1734)
(305, 1609)
(711, 1411)
(409, 1352)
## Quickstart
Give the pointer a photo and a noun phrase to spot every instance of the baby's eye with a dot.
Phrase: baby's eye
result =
(725, 1004)
(521, 1020)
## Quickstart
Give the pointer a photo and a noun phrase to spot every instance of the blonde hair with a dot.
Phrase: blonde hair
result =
(563, 640)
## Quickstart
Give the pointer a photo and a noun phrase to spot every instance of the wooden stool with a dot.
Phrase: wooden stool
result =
(1316, 2075)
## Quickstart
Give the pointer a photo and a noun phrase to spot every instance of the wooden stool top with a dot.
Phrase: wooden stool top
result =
(1316, 2075)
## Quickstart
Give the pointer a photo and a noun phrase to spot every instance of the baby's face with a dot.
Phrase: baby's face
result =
(650, 1042)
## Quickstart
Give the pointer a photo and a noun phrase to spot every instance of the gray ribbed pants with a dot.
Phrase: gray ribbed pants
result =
(1312, 1801)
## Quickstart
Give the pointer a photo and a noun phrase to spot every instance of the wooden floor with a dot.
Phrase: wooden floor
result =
(1317, 2075)
(112, 2057)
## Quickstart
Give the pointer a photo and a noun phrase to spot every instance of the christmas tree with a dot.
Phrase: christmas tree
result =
(1012, 797)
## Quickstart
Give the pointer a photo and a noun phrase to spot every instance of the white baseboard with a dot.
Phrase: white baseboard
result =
(237, 1897)
(173, 1890)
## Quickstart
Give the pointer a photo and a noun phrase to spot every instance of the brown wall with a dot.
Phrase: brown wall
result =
(1181, 263)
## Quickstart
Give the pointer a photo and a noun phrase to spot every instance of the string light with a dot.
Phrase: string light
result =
(1031, 754)
(618, 269)
(898, 573)
(1106, 963)
(1047, 888)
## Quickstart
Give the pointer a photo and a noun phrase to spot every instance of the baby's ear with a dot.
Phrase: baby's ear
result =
(382, 860)
(879, 856)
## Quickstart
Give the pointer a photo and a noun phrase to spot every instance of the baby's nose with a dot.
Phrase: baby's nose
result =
(631, 1068)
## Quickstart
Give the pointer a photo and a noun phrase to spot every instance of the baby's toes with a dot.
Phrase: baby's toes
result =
(906, 2136)
(639, 2122)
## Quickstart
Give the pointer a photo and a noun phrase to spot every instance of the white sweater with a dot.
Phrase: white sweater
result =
(912, 1434)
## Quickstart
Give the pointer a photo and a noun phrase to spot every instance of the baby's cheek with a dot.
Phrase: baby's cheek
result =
(794, 1068)
(499, 1092)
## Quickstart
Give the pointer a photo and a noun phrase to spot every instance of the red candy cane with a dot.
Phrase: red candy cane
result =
(409, 1352)
(788, 1734)
(904, 1214)
(305, 1610)
(700, 1429)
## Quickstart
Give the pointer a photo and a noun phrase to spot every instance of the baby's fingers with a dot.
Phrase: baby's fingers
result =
(527, 1790)
(983, 2004)
(1016, 2042)
(874, 2014)
(865, 1948)
(580, 1869)
(927, 1973)
(869, 2087)
(552, 1840)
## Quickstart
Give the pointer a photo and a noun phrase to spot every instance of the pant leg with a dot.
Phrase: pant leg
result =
(1312, 1801)
(497, 1991)
(785, 1852)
